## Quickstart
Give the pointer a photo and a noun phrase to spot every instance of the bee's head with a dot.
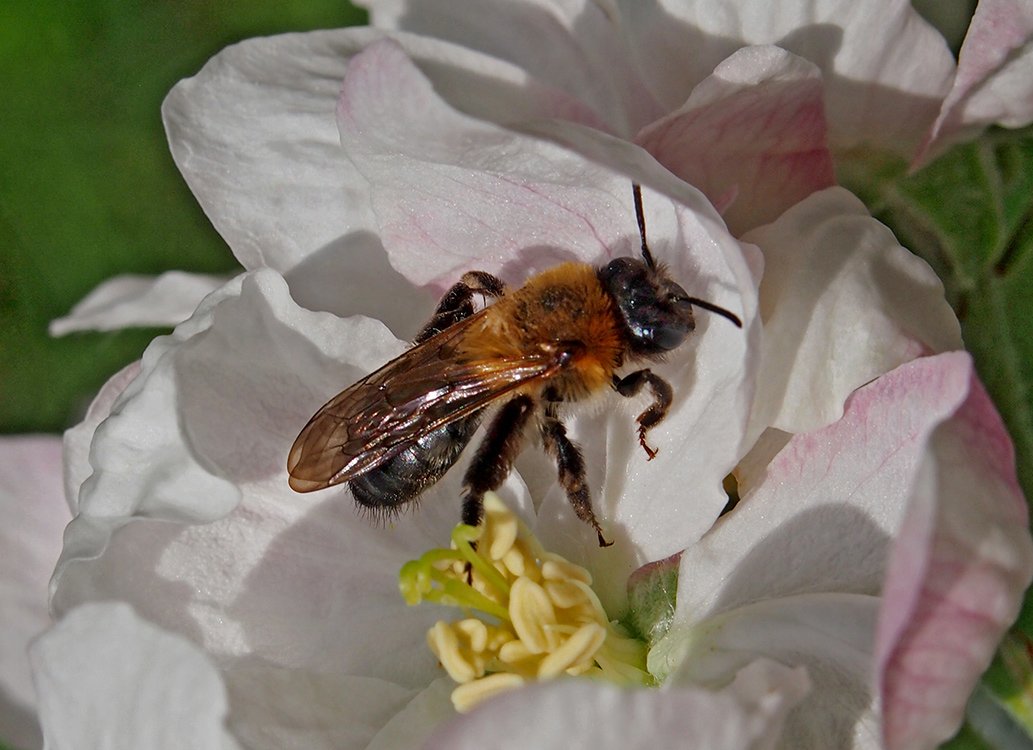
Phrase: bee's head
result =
(656, 311)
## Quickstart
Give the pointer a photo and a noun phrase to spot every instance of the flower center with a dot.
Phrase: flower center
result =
(531, 614)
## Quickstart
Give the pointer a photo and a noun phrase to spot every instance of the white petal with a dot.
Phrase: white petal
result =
(35, 513)
(254, 135)
(842, 303)
(296, 581)
(754, 129)
(138, 301)
(210, 420)
(577, 47)
(746, 715)
(77, 439)
(885, 68)
(830, 635)
(412, 725)
(274, 707)
(108, 679)
(956, 577)
(994, 81)
(142, 465)
(256, 138)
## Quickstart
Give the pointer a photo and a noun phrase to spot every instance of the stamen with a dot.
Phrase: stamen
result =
(531, 614)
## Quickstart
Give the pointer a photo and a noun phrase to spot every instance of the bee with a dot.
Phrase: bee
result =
(560, 338)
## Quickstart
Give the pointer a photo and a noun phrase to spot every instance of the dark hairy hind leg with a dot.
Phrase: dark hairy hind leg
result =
(495, 455)
(571, 466)
(457, 303)
(631, 385)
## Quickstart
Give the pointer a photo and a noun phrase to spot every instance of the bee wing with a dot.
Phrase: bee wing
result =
(425, 388)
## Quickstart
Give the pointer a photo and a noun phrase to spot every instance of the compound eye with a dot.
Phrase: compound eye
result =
(668, 337)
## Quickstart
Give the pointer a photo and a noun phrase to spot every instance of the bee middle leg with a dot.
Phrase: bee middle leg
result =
(494, 458)
(571, 466)
(630, 385)
(457, 303)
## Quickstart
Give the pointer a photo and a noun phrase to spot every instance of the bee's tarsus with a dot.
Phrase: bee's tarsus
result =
(650, 451)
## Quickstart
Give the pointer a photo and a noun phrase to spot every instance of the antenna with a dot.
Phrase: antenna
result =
(703, 304)
(636, 191)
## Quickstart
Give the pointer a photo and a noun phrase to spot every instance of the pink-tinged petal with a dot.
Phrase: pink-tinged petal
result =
(755, 128)
(107, 678)
(255, 136)
(35, 514)
(956, 577)
(842, 303)
(77, 439)
(137, 301)
(745, 715)
(451, 192)
(994, 80)
(806, 548)
(885, 68)
(577, 47)
(849, 480)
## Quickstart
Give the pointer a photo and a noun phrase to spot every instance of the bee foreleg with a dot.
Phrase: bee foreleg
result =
(571, 466)
(457, 303)
(494, 458)
(630, 385)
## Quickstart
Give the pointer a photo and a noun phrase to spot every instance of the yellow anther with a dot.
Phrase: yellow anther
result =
(530, 613)
(518, 563)
(515, 652)
(579, 647)
(475, 631)
(557, 569)
(469, 695)
(500, 531)
(444, 642)
(564, 594)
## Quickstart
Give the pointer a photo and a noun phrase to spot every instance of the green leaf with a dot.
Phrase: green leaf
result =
(87, 186)
(1009, 681)
(970, 216)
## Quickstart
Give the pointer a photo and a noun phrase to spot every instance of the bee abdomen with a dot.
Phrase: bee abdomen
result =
(406, 475)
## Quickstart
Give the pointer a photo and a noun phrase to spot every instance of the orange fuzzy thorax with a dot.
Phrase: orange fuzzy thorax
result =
(565, 303)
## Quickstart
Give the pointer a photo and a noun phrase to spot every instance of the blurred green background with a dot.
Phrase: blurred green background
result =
(87, 186)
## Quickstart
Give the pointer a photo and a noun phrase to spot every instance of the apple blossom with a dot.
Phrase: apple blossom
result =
(292, 595)
(33, 505)
(453, 148)
(288, 593)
